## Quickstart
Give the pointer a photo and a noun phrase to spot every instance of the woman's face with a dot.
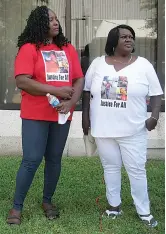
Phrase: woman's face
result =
(126, 41)
(53, 24)
(53, 58)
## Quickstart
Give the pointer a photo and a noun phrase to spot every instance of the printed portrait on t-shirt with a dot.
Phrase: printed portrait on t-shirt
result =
(56, 65)
(114, 88)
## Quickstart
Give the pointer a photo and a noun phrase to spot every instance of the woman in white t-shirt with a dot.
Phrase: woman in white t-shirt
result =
(114, 105)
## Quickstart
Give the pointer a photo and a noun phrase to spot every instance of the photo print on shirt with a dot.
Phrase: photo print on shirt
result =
(114, 91)
(56, 65)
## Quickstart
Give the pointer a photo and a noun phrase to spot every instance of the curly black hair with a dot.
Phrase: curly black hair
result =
(37, 29)
(113, 37)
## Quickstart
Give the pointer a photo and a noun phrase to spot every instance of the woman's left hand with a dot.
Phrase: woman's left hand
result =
(64, 106)
(150, 123)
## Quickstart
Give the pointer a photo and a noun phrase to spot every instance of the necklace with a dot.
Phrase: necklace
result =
(123, 62)
(48, 42)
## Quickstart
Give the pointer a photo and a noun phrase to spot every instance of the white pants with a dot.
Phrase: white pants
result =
(132, 152)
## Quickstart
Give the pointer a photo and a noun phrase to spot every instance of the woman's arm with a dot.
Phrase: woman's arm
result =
(85, 112)
(78, 85)
(155, 102)
(155, 93)
(24, 82)
(87, 94)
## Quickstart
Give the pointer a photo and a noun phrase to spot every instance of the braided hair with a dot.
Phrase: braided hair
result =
(37, 29)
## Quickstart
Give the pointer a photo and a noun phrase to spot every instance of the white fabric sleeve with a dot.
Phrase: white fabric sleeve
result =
(89, 74)
(154, 84)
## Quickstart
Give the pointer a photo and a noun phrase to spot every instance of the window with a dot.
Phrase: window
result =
(92, 20)
(12, 22)
(86, 23)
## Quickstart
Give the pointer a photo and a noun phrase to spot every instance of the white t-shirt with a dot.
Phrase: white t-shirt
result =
(118, 107)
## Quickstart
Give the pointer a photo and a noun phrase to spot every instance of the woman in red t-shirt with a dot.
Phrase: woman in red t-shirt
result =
(39, 69)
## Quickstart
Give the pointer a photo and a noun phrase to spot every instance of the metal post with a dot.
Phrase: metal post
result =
(161, 46)
(68, 19)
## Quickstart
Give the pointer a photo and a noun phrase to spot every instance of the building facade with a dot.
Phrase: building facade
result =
(86, 23)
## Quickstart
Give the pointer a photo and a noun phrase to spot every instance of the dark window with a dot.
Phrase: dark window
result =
(86, 24)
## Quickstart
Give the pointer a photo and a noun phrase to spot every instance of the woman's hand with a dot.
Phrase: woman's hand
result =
(151, 123)
(85, 122)
(64, 92)
(65, 106)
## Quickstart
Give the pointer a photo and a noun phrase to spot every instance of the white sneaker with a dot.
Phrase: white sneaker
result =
(112, 214)
(149, 220)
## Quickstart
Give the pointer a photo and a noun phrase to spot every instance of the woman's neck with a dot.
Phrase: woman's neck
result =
(50, 40)
(122, 55)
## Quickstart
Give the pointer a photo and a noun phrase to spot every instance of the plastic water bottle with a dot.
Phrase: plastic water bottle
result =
(54, 101)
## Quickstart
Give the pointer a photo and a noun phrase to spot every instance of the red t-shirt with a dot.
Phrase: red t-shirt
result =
(48, 65)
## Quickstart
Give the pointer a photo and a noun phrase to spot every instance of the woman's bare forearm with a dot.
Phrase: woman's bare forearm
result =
(155, 102)
(34, 87)
(85, 112)
(86, 101)
(78, 87)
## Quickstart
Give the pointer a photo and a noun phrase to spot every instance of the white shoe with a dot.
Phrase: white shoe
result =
(112, 214)
(149, 220)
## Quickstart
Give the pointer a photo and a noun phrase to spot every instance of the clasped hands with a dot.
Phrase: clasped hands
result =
(65, 103)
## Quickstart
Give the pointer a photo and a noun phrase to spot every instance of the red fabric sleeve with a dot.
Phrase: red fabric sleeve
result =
(25, 60)
(76, 67)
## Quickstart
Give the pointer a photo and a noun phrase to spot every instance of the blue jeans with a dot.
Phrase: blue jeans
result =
(40, 138)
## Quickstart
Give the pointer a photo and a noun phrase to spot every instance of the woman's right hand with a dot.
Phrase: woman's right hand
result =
(85, 122)
(64, 92)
